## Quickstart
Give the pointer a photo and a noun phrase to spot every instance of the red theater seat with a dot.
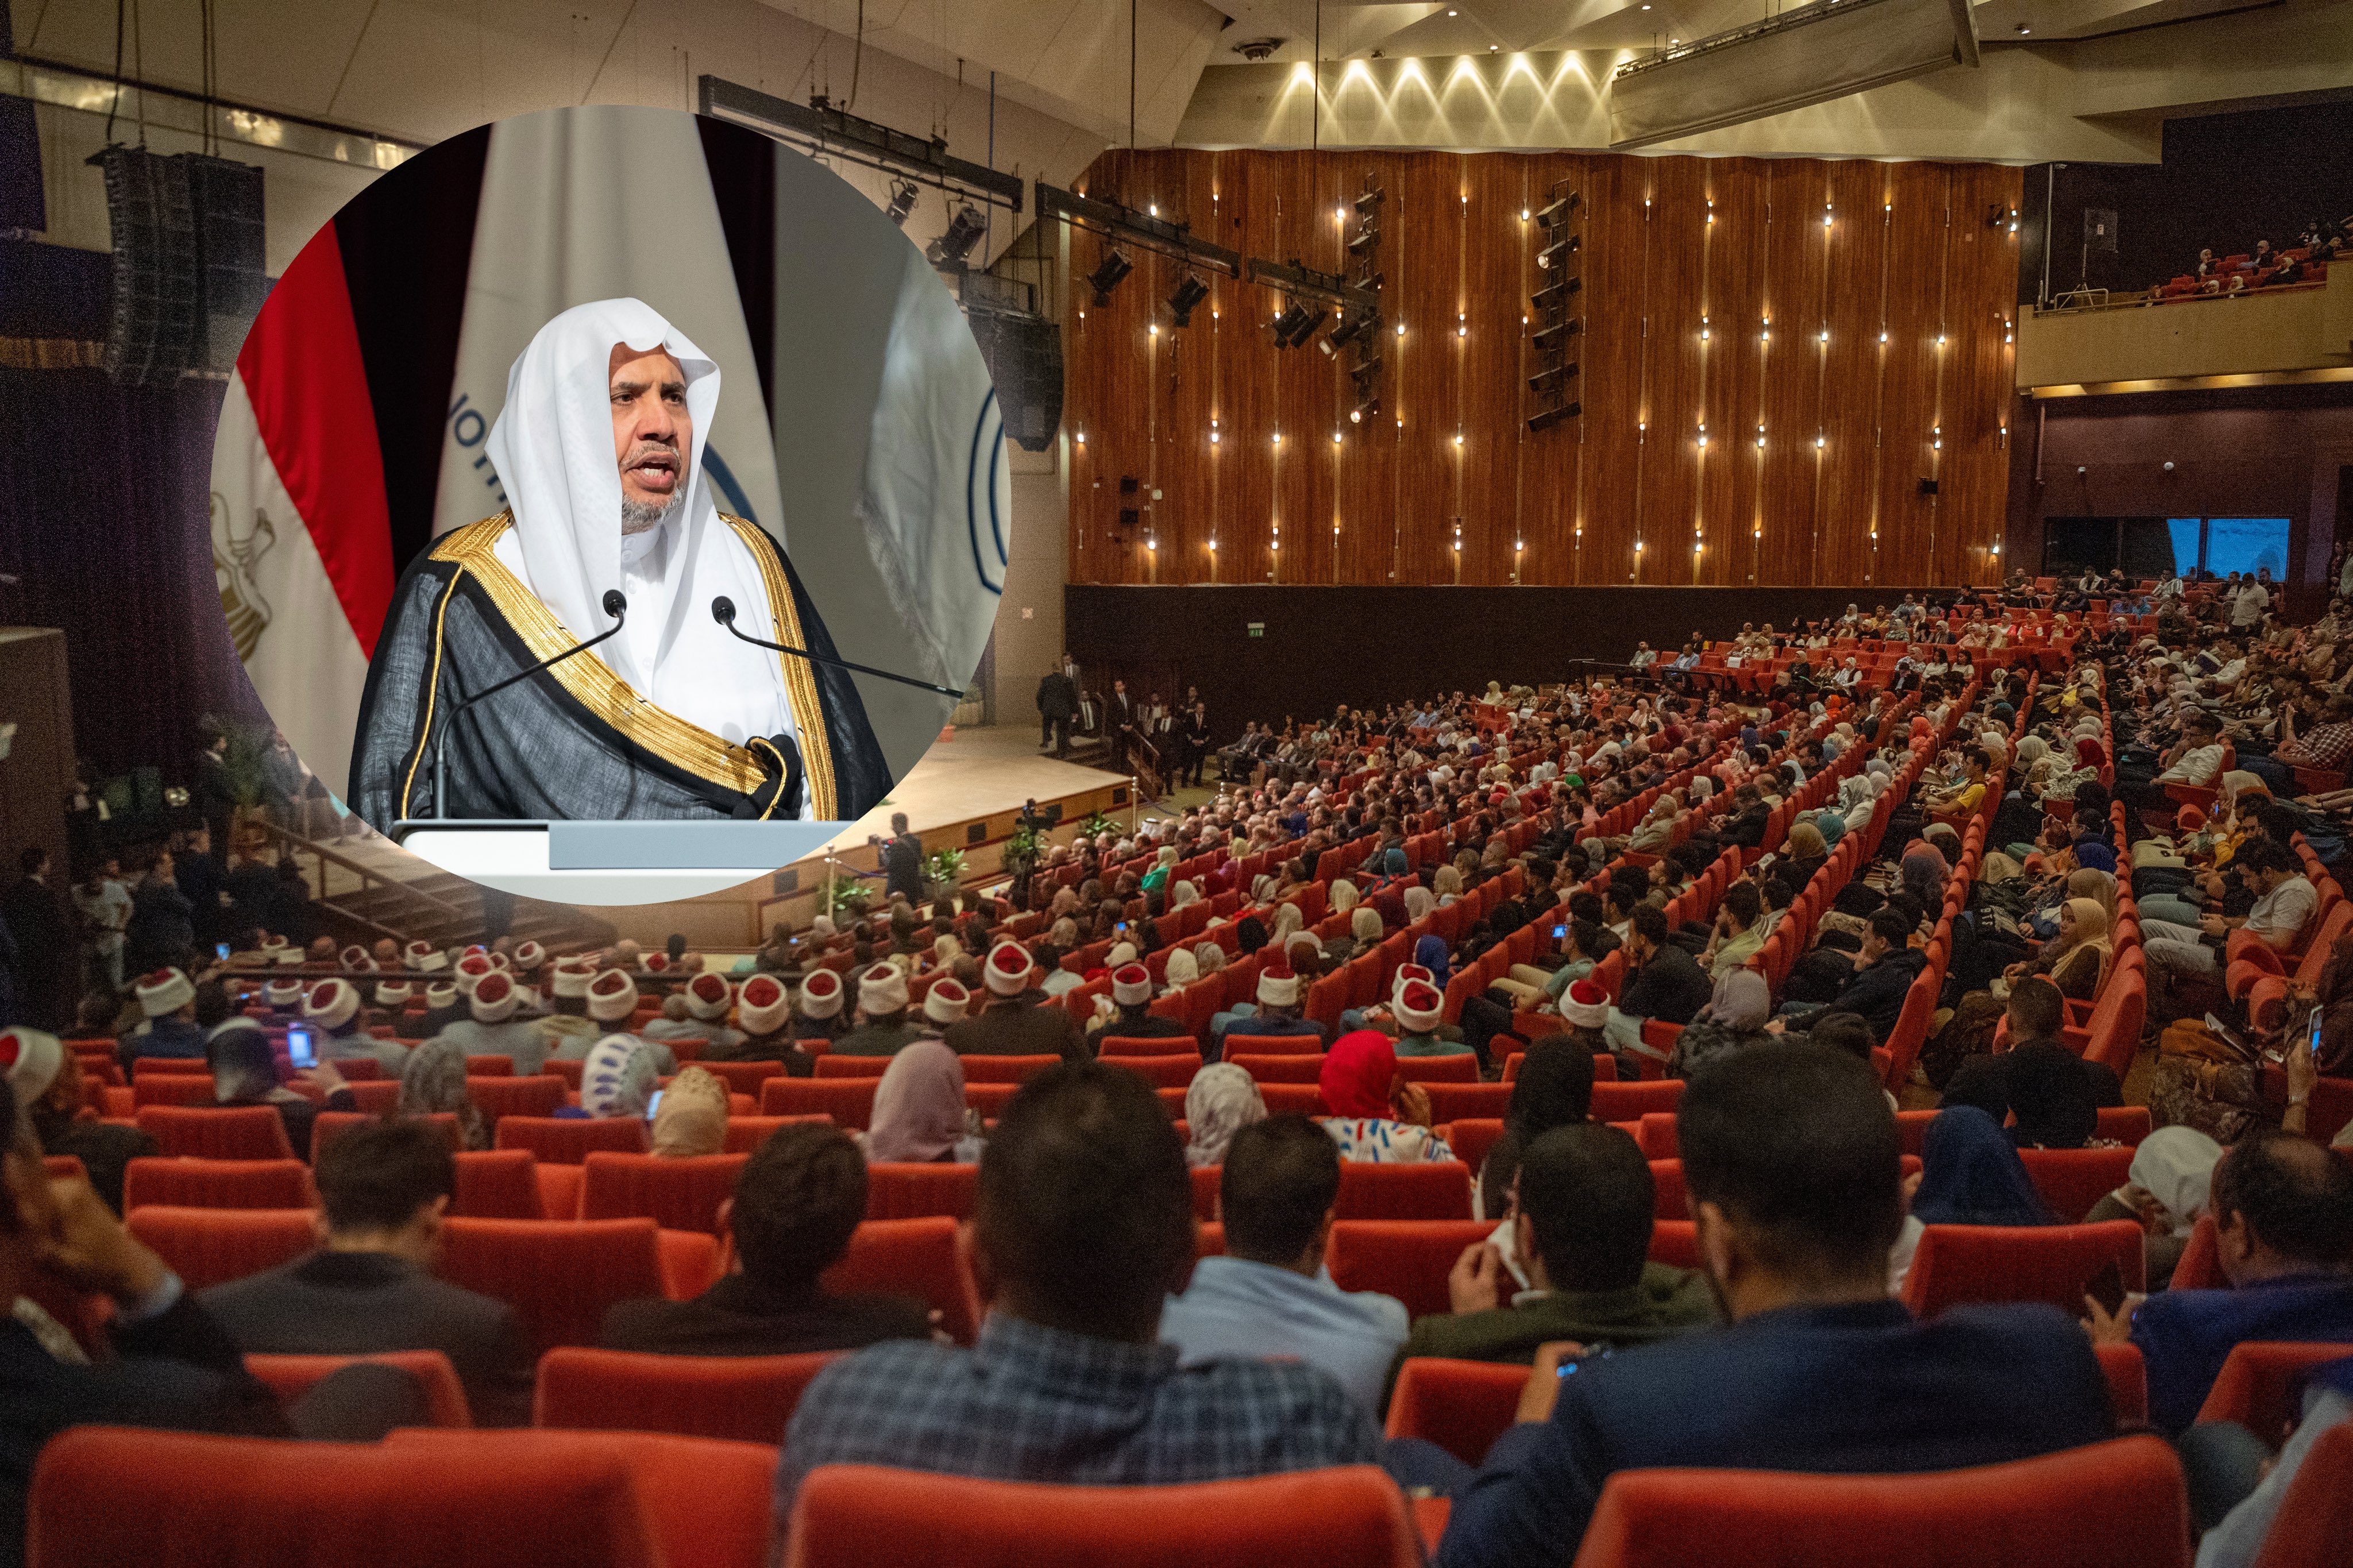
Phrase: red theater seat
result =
(1957, 1263)
(860, 1516)
(830, 1065)
(1005, 1069)
(498, 1183)
(2315, 1517)
(290, 1377)
(745, 1133)
(1460, 1406)
(747, 1398)
(510, 1096)
(216, 1132)
(329, 1125)
(567, 1141)
(2072, 1180)
(2257, 1385)
(1166, 1071)
(2113, 1505)
(107, 1496)
(911, 1191)
(210, 1247)
(917, 1257)
(218, 1183)
(676, 1194)
(1409, 1260)
(560, 1275)
(849, 1102)
(1440, 1190)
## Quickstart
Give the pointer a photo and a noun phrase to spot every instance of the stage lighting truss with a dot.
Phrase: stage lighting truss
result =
(1189, 295)
(1125, 229)
(903, 193)
(1108, 274)
(1549, 323)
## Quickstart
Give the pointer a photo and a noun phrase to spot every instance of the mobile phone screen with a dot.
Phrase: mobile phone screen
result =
(653, 1103)
(2314, 1039)
(1559, 933)
(220, 951)
(1597, 1352)
(299, 1049)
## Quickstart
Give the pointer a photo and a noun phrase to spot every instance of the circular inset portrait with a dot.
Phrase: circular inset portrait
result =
(610, 503)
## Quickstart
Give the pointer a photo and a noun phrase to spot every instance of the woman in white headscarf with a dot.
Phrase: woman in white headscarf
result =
(1221, 1101)
(1343, 895)
(919, 1110)
(2166, 1191)
(619, 1076)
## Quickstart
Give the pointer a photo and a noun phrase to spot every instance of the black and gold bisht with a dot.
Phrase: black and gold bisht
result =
(575, 741)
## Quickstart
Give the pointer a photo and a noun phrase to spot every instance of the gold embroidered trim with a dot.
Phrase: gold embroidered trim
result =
(591, 682)
(800, 675)
(432, 688)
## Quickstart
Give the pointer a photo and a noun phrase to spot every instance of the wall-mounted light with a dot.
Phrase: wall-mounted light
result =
(1458, 437)
(1335, 438)
(1819, 442)
(1826, 337)
(1524, 214)
(1278, 437)
(1153, 330)
(1083, 437)
(1400, 329)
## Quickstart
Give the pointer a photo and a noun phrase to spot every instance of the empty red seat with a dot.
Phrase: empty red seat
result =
(1472, 1101)
(216, 1131)
(560, 1275)
(1280, 1099)
(740, 1078)
(172, 1088)
(911, 1191)
(2256, 1387)
(1292, 1068)
(745, 1133)
(218, 1183)
(676, 1194)
(1460, 1406)
(1166, 1071)
(208, 1247)
(1471, 1138)
(511, 1095)
(2119, 1504)
(920, 1257)
(1440, 1189)
(489, 1067)
(2072, 1180)
(747, 1398)
(849, 1102)
(1957, 1263)
(290, 1377)
(1147, 1046)
(863, 1516)
(498, 1183)
(1271, 1045)
(831, 1066)
(2315, 1518)
(1005, 1069)
(567, 1141)
(1409, 1260)
(106, 1496)
(1459, 1068)
(1615, 1101)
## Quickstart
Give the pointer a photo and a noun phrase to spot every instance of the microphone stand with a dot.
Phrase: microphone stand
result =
(615, 605)
(723, 610)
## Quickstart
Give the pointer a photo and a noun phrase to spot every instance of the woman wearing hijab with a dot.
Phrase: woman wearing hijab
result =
(919, 1111)
(1221, 1102)
(691, 1118)
(1181, 971)
(1377, 1116)
(2166, 1191)
(433, 1081)
(1209, 955)
(1183, 893)
(245, 1072)
(1971, 1174)
(1343, 895)
(1923, 874)
(2076, 960)
(1734, 1018)
(618, 1077)
(1447, 884)
(1419, 902)
(1287, 919)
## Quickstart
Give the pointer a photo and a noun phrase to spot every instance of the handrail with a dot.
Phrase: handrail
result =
(365, 874)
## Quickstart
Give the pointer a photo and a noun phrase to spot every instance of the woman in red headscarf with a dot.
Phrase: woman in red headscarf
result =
(1377, 1115)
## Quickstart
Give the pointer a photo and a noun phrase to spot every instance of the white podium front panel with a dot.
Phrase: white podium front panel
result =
(614, 863)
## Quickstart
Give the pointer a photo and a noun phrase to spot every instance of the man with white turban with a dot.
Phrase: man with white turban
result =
(672, 716)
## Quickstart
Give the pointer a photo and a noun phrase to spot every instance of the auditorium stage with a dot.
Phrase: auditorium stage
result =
(979, 772)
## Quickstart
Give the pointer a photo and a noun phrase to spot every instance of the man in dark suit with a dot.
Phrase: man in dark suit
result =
(1013, 1023)
(1120, 719)
(797, 1199)
(1793, 1172)
(215, 790)
(1667, 982)
(172, 1366)
(35, 911)
(1057, 704)
(384, 1190)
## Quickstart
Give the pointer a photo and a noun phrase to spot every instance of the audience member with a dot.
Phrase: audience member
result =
(1221, 1101)
(884, 1028)
(1377, 1114)
(433, 1083)
(919, 1110)
(495, 1025)
(691, 1120)
(1269, 1297)
(700, 1013)
(245, 1072)
(1970, 1174)
(2165, 1190)
(46, 1079)
(167, 1019)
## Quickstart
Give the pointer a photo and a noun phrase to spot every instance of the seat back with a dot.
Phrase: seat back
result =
(861, 1516)
(1470, 1139)
(329, 1125)
(1170, 1071)
(1461, 1067)
(210, 1247)
(2071, 1180)
(920, 1257)
(2258, 1386)
(849, 1102)
(1409, 1260)
(2053, 1263)
(290, 1377)
(218, 1183)
(1615, 1101)
(1460, 1406)
(897, 1190)
(507, 1095)
(831, 1066)
(1147, 1046)
(2119, 1504)
(216, 1131)
(746, 1398)
(567, 1141)
(676, 1194)
(2315, 1517)
(498, 1183)
(1005, 1069)
(1281, 1068)
(106, 1494)
(1436, 1190)
(559, 1275)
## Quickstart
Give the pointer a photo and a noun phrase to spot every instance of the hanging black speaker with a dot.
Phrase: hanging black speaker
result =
(1024, 354)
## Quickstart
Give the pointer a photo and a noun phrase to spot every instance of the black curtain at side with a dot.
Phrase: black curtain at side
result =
(103, 514)
(743, 177)
(406, 242)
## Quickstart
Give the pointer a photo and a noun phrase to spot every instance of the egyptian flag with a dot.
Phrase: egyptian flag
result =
(301, 548)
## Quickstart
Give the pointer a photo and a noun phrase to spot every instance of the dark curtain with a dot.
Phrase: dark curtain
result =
(744, 178)
(103, 516)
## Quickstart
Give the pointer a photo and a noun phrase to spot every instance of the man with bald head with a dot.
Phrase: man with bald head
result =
(667, 716)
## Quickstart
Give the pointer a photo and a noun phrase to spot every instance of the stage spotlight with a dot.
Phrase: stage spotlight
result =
(1107, 275)
(1550, 418)
(1367, 239)
(1288, 322)
(1370, 202)
(1189, 293)
(964, 229)
(902, 200)
(1549, 340)
(1552, 377)
(1551, 297)
(1353, 327)
(1558, 214)
(1557, 250)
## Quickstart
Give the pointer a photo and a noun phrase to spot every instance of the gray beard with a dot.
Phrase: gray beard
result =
(638, 516)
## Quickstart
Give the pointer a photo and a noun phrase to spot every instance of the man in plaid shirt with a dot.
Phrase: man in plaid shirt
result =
(2326, 748)
(1084, 1225)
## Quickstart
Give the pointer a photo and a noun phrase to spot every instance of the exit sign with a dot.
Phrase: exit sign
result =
(1258, 628)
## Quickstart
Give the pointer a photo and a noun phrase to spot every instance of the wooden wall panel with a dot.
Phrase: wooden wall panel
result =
(1907, 252)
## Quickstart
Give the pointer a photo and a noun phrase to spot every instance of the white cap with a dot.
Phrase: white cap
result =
(571, 979)
(1278, 986)
(708, 997)
(1120, 954)
(612, 996)
(391, 993)
(32, 1060)
(1008, 968)
(471, 969)
(166, 989)
(821, 994)
(1405, 972)
(282, 992)
(1419, 1006)
(761, 1008)
(332, 1003)
(1131, 986)
(425, 956)
(529, 955)
(946, 1002)
(494, 999)
(1586, 1006)
(440, 994)
(883, 989)
(357, 957)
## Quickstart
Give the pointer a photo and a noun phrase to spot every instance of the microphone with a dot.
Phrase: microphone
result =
(614, 605)
(723, 610)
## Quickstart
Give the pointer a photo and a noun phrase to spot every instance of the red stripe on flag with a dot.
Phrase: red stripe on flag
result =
(303, 373)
